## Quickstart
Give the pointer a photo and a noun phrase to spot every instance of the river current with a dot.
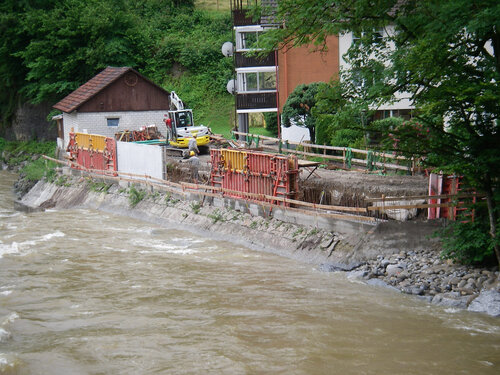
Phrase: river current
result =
(86, 292)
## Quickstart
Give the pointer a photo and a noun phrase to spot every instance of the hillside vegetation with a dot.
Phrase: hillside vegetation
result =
(51, 47)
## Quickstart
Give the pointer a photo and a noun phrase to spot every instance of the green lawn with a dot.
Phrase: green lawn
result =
(213, 4)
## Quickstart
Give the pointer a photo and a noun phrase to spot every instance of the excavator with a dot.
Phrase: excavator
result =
(180, 125)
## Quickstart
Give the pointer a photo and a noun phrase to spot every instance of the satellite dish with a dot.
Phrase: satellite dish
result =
(231, 86)
(227, 49)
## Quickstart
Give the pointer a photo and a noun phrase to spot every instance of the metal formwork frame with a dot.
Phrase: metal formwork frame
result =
(93, 151)
(254, 172)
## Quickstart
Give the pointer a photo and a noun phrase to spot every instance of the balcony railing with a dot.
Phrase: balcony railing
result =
(261, 100)
(244, 61)
(243, 18)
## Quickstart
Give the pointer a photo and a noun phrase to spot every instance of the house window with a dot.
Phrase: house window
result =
(257, 81)
(113, 121)
(375, 34)
(247, 40)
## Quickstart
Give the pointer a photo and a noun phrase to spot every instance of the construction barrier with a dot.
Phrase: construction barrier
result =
(441, 184)
(92, 151)
(255, 172)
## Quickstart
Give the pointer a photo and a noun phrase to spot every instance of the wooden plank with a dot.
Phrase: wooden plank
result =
(406, 198)
(279, 199)
(410, 206)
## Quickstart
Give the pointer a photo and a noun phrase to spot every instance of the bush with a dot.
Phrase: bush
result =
(271, 122)
(467, 242)
(135, 196)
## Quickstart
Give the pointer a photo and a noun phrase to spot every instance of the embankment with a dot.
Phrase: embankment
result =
(400, 255)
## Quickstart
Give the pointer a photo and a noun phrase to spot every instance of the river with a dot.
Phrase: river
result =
(86, 292)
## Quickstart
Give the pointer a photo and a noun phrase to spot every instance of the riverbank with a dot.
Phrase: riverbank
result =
(397, 255)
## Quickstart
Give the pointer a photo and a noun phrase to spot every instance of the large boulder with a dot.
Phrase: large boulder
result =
(487, 302)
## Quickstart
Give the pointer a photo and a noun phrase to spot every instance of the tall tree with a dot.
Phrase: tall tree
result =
(445, 54)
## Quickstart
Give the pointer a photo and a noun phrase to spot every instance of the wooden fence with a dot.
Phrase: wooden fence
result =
(378, 159)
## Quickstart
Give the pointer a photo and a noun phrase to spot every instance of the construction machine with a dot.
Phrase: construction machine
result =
(180, 125)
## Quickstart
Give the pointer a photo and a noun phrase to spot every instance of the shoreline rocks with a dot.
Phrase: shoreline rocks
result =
(425, 275)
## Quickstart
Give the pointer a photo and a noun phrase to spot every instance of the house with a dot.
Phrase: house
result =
(116, 99)
(263, 84)
(401, 106)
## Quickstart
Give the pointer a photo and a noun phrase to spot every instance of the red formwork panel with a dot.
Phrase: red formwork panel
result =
(90, 158)
(254, 172)
(441, 184)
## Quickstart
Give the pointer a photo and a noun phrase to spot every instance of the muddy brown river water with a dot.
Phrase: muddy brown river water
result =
(85, 292)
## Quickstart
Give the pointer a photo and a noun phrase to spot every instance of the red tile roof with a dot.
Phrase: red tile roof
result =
(89, 89)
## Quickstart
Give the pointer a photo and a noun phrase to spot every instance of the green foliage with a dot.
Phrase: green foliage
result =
(39, 169)
(16, 152)
(195, 207)
(467, 242)
(135, 196)
(49, 48)
(216, 216)
(271, 123)
(340, 122)
(62, 180)
(98, 187)
(443, 54)
(25, 150)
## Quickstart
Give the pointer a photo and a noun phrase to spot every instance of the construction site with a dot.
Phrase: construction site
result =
(263, 170)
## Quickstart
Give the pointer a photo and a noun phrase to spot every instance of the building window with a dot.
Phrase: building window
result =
(257, 81)
(247, 40)
(375, 34)
(114, 121)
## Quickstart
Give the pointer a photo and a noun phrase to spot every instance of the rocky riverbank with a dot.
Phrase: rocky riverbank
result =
(424, 274)
(393, 255)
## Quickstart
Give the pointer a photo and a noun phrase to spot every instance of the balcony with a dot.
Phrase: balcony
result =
(244, 61)
(256, 101)
(240, 18)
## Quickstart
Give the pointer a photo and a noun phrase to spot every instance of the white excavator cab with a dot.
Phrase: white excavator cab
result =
(180, 125)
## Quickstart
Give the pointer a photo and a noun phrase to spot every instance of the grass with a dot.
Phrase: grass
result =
(98, 187)
(135, 196)
(195, 207)
(38, 169)
(219, 115)
(220, 5)
(18, 152)
(216, 216)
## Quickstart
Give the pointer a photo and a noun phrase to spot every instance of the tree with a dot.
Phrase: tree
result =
(50, 47)
(445, 54)
(340, 121)
(299, 105)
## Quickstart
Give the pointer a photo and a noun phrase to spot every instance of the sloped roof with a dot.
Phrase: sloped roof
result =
(91, 88)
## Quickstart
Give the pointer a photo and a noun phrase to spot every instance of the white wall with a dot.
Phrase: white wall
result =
(402, 99)
(69, 122)
(295, 133)
(96, 122)
(140, 159)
